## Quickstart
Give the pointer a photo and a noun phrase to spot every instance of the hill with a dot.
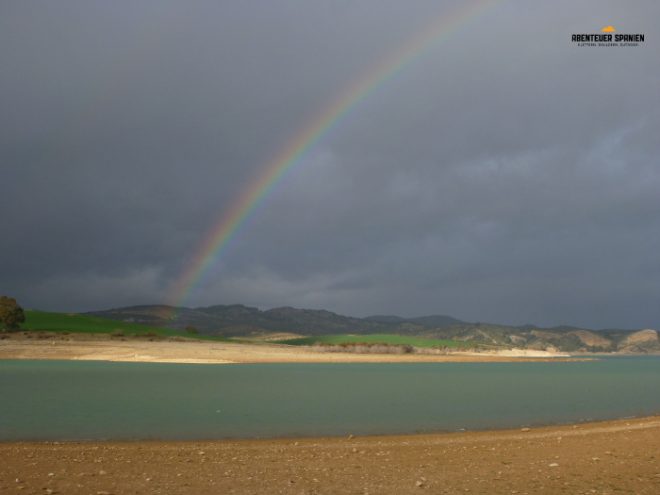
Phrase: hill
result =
(237, 320)
(72, 322)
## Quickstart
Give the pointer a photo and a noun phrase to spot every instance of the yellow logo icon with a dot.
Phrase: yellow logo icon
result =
(608, 29)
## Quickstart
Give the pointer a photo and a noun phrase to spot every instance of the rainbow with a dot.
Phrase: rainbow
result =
(220, 235)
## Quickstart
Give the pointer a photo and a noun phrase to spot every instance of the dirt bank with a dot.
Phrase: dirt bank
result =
(600, 458)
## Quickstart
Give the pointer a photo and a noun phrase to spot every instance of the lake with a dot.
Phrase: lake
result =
(76, 400)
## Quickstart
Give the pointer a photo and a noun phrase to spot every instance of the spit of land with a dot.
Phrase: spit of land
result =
(104, 348)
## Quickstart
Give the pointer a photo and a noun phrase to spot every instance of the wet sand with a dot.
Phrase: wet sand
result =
(100, 348)
(612, 457)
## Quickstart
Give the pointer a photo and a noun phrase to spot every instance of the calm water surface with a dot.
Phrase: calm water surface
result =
(58, 400)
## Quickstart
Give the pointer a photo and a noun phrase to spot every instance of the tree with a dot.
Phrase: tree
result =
(11, 314)
(192, 330)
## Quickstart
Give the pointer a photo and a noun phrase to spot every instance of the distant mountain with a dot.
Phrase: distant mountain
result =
(432, 321)
(237, 319)
(385, 319)
(436, 321)
(240, 320)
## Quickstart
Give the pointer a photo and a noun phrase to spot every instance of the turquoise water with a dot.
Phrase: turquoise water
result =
(69, 400)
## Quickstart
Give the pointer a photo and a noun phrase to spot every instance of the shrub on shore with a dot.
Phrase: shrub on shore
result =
(11, 314)
(379, 348)
(365, 348)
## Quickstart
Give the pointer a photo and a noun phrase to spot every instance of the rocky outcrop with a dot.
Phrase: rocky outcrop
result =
(592, 339)
(641, 341)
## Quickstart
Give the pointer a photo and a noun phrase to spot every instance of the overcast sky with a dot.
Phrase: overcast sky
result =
(507, 175)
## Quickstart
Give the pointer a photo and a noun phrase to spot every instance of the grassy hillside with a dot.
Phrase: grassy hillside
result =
(376, 339)
(76, 323)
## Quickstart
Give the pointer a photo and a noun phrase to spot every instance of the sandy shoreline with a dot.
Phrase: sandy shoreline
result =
(610, 457)
(104, 349)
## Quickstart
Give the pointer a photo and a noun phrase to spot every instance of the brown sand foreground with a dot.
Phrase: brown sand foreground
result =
(84, 347)
(612, 457)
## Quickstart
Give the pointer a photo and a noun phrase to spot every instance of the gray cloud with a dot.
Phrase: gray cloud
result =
(505, 175)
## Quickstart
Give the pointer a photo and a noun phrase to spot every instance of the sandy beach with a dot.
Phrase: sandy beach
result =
(101, 348)
(612, 457)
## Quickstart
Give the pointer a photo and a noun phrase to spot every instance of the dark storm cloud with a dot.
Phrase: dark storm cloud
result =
(506, 175)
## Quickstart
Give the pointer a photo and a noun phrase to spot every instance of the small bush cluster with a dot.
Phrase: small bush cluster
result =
(440, 350)
(11, 314)
(365, 348)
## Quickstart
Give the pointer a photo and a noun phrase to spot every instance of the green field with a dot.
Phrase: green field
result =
(375, 339)
(75, 323)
